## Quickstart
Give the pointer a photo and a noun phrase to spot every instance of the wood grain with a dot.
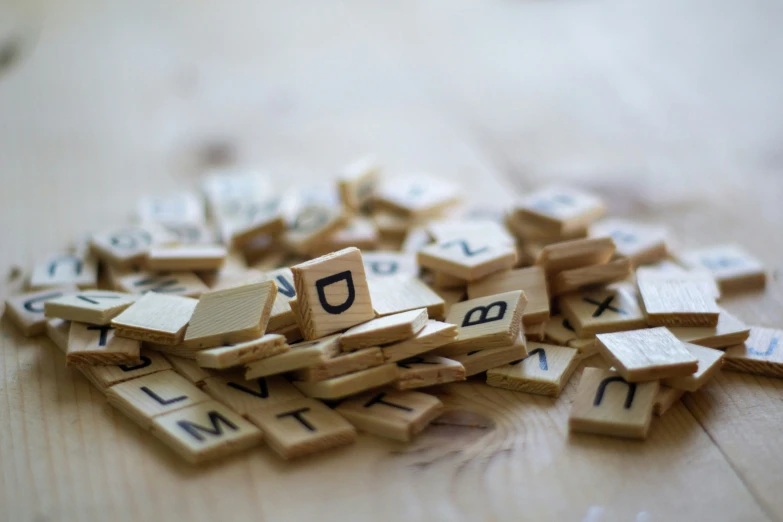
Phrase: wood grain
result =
(678, 131)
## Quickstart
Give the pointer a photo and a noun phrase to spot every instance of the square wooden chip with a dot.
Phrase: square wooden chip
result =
(648, 354)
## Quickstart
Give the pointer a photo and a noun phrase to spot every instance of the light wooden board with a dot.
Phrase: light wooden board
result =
(661, 127)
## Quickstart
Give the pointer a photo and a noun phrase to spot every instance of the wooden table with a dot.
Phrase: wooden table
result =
(670, 109)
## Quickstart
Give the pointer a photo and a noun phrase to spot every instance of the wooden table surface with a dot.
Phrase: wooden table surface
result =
(671, 109)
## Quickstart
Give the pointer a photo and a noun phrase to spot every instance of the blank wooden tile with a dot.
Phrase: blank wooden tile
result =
(332, 293)
(356, 182)
(144, 398)
(105, 376)
(644, 355)
(434, 335)
(231, 316)
(469, 258)
(734, 268)
(179, 208)
(27, 311)
(302, 427)
(300, 355)
(730, 331)
(559, 208)
(246, 396)
(189, 369)
(602, 311)
(185, 284)
(281, 315)
(356, 232)
(97, 345)
(710, 363)
(384, 330)
(531, 280)
(156, 318)
(441, 280)
(545, 371)
(398, 415)
(57, 331)
(641, 243)
(125, 247)
(394, 294)
(675, 300)
(416, 195)
(492, 232)
(428, 370)
(478, 361)
(63, 270)
(559, 330)
(312, 225)
(349, 384)
(205, 431)
(761, 354)
(673, 272)
(89, 306)
(578, 278)
(666, 398)
(530, 233)
(341, 364)
(486, 322)
(606, 404)
(185, 258)
(241, 353)
(385, 263)
(180, 350)
(579, 253)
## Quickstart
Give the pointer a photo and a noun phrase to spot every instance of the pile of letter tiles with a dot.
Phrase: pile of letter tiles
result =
(232, 315)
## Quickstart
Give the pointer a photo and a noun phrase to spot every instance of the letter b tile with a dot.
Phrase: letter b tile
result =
(332, 293)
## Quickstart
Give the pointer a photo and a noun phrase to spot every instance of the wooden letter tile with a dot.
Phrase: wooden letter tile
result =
(428, 370)
(434, 335)
(642, 244)
(383, 264)
(478, 361)
(530, 280)
(734, 268)
(189, 369)
(486, 322)
(469, 258)
(666, 398)
(97, 345)
(341, 364)
(710, 362)
(230, 316)
(302, 427)
(301, 355)
(147, 397)
(282, 315)
(762, 353)
(398, 415)
(27, 311)
(349, 384)
(65, 270)
(242, 353)
(606, 404)
(156, 318)
(356, 182)
(177, 283)
(394, 294)
(105, 376)
(559, 331)
(332, 293)
(560, 209)
(357, 232)
(384, 330)
(245, 396)
(311, 226)
(205, 431)
(671, 299)
(180, 208)
(89, 306)
(416, 195)
(572, 280)
(645, 355)
(545, 371)
(185, 257)
(602, 311)
(730, 331)
(579, 253)
(58, 330)
(123, 248)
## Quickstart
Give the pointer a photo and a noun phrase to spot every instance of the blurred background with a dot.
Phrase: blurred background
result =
(666, 107)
